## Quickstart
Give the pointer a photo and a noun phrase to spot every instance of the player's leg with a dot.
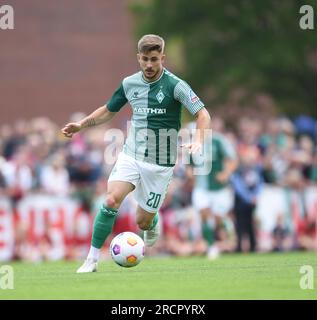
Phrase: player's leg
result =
(221, 204)
(150, 194)
(208, 226)
(122, 180)
(201, 199)
(104, 221)
(238, 213)
(144, 219)
(250, 227)
(148, 222)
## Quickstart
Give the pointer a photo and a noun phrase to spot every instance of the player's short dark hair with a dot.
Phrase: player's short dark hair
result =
(151, 42)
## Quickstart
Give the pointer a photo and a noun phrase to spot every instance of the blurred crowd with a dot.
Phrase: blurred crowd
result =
(277, 153)
(36, 158)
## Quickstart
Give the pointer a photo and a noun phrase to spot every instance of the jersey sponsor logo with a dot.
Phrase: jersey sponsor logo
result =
(149, 110)
(193, 97)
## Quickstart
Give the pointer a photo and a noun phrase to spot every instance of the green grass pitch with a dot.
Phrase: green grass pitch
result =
(232, 276)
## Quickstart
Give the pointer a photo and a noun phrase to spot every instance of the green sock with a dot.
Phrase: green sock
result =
(103, 225)
(154, 222)
(208, 233)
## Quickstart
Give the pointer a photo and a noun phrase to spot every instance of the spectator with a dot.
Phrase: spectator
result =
(15, 139)
(307, 233)
(17, 175)
(306, 125)
(54, 178)
(281, 236)
(247, 184)
(2, 179)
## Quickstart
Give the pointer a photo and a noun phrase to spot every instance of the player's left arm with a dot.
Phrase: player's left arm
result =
(231, 162)
(185, 95)
(202, 125)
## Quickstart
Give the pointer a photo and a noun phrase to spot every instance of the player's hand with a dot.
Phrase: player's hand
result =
(193, 148)
(71, 128)
(222, 177)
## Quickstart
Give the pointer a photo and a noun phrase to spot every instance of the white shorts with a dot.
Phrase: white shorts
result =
(150, 180)
(220, 202)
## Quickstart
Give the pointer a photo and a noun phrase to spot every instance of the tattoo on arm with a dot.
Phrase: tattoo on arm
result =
(90, 122)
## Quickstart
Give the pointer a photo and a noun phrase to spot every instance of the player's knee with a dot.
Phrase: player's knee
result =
(205, 214)
(112, 201)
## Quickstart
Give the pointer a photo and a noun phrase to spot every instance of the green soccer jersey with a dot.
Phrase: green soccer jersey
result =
(216, 150)
(156, 108)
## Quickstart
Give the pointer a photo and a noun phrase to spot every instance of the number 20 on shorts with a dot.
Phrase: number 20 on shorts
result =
(154, 200)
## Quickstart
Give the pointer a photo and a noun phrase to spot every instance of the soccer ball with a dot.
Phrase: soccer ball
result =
(127, 249)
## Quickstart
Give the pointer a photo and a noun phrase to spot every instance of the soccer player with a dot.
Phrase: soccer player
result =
(156, 97)
(212, 196)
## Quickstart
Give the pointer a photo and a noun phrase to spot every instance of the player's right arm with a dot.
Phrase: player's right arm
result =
(99, 116)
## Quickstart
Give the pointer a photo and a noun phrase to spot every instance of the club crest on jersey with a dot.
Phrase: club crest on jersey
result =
(193, 97)
(160, 96)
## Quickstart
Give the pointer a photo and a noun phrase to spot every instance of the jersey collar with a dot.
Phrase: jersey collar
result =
(148, 82)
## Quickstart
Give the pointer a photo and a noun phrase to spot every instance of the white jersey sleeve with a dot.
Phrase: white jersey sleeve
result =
(186, 96)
